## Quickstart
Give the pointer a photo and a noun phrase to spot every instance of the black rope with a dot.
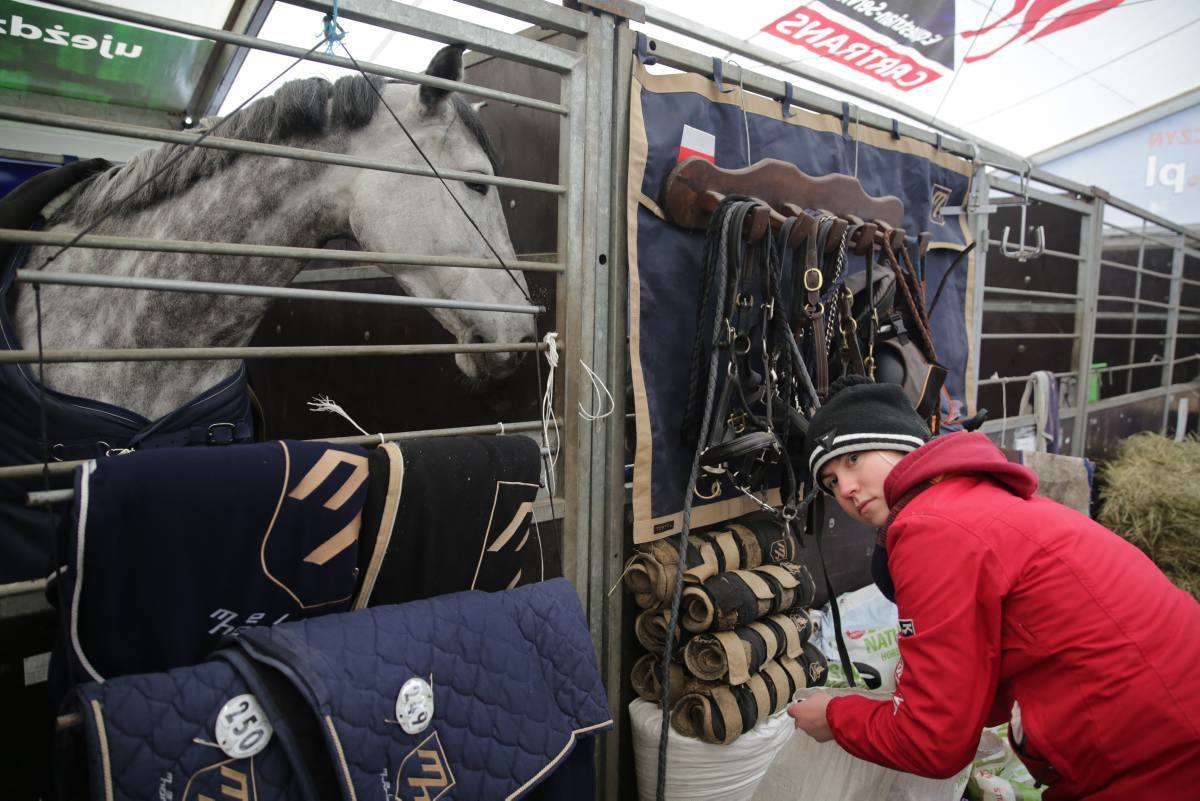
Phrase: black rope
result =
(731, 221)
(816, 519)
(537, 362)
(942, 283)
(438, 175)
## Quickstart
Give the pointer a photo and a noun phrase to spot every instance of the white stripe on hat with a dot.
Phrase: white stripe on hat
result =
(862, 442)
(849, 437)
(844, 438)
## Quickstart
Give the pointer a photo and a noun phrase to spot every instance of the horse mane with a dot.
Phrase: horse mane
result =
(304, 107)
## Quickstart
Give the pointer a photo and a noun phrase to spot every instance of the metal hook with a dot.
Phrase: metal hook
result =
(717, 69)
(1021, 252)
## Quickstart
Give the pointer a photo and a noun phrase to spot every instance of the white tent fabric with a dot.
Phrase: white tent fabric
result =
(1037, 73)
(1071, 66)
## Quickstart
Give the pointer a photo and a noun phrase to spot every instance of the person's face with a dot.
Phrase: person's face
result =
(856, 481)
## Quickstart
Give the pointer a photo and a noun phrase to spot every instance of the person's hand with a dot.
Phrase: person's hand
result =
(809, 715)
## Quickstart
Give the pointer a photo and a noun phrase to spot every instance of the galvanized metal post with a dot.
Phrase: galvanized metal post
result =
(1137, 294)
(594, 318)
(1173, 301)
(601, 342)
(576, 301)
(978, 209)
(614, 506)
(1087, 288)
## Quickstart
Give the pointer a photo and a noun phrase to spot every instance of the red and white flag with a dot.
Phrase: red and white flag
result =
(695, 142)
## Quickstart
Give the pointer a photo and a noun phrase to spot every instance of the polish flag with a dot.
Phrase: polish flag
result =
(695, 142)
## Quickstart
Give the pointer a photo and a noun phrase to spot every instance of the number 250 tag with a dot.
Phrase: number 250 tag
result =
(242, 727)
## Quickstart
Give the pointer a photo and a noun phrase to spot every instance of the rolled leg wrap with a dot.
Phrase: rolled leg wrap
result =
(651, 630)
(816, 666)
(646, 678)
(750, 542)
(733, 656)
(739, 597)
(721, 713)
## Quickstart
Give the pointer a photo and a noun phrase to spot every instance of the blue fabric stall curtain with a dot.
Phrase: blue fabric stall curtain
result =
(674, 116)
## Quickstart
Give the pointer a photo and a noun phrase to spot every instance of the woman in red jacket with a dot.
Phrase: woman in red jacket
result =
(1012, 607)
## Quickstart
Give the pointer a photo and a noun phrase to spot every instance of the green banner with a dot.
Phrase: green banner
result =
(55, 52)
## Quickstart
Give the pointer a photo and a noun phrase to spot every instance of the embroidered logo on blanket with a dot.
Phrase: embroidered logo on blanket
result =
(508, 534)
(938, 196)
(231, 778)
(315, 505)
(425, 773)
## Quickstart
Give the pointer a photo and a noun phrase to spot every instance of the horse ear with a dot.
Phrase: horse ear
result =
(446, 63)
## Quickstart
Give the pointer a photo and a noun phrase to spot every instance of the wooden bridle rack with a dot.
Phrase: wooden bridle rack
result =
(695, 187)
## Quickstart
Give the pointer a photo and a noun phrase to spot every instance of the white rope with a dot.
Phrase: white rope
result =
(742, 103)
(323, 403)
(1003, 410)
(548, 419)
(597, 387)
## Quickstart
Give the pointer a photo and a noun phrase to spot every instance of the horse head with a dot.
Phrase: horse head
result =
(414, 214)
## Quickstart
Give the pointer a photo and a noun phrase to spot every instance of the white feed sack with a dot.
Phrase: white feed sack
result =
(698, 771)
(870, 629)
(806, 770)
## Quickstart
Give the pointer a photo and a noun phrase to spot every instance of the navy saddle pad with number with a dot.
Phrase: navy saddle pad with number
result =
(467, 696)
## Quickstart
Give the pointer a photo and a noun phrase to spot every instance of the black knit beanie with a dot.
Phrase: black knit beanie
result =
(861, 415)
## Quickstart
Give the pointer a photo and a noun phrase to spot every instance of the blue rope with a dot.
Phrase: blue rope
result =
(333, 31)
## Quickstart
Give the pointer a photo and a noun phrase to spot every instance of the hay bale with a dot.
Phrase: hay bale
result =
(1152, 498)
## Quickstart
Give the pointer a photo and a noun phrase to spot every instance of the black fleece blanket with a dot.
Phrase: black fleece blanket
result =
(453, 513)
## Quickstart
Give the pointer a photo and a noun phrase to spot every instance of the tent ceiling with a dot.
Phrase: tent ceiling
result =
(1040, 72)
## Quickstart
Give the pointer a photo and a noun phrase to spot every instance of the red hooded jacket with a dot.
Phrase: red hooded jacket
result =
(1007, 597)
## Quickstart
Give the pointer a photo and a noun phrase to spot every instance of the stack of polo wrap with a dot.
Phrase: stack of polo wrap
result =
(733, 656)
(755, 540)
(720, 713)
(741, 649)
(739, 597)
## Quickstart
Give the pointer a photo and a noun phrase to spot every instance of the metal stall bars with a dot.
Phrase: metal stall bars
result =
(1098, 299)
(592, 270)
(573, 70)
(444, 28)
(1060, 191)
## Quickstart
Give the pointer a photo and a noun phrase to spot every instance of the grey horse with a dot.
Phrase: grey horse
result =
(216, 195)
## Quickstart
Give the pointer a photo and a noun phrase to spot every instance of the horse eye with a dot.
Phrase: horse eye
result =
(480, 188)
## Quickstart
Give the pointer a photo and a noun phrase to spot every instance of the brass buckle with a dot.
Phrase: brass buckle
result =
(820, 280)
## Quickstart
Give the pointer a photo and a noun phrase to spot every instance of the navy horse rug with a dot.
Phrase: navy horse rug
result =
(78, 428)
(453, 513)
(469, 696)
(171, 549)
